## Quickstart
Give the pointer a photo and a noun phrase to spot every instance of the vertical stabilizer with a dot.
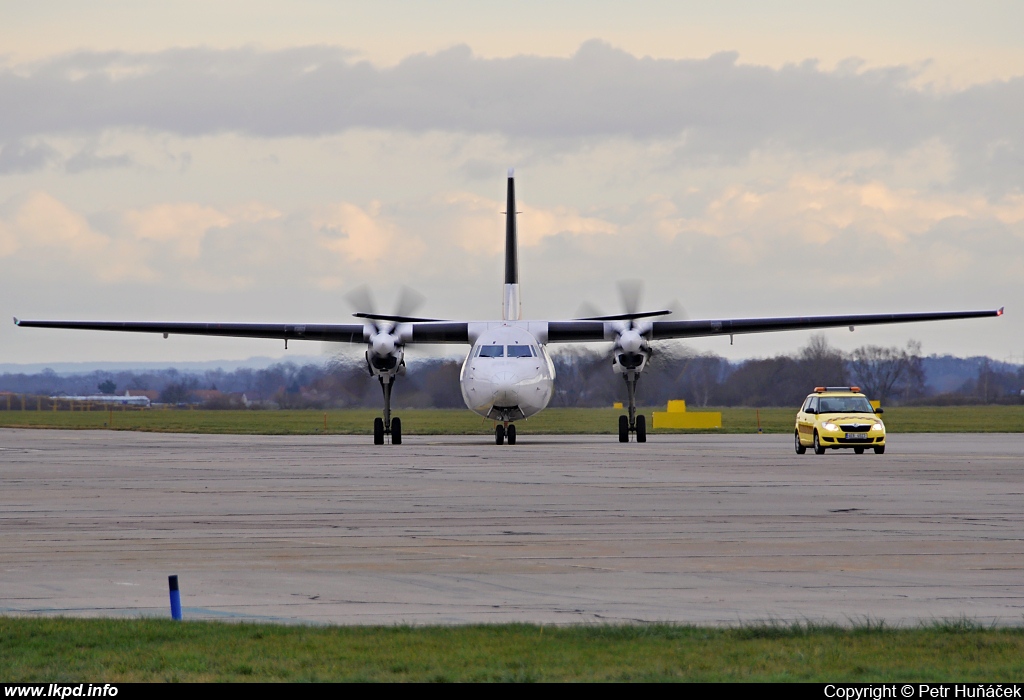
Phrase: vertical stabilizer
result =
(511, 308)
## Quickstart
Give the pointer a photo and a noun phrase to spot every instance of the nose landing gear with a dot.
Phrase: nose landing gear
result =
(632, 423)
(501, 432)
(387, 425)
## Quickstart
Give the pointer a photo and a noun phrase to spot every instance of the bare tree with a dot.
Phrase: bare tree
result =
(886, 372)
(822, 364)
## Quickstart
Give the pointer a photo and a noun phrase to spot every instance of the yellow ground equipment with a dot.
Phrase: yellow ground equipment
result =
(677, 417)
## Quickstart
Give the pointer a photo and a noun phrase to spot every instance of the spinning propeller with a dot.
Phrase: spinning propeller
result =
(384, 347)
(630, 350)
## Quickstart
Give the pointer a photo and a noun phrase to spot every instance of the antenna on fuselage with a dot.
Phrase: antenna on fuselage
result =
(511, 308)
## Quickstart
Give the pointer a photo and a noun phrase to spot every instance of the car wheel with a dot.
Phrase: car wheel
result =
(818, 449)
(880, 450)
(800, 449)
(858, 450)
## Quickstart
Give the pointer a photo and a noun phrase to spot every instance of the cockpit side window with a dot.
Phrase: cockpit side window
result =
(492, 351)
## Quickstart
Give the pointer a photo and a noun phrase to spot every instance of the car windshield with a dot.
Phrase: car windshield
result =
(492, 351)
(845, 404)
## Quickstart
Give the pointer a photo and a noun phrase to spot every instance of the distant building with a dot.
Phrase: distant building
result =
(112, 399)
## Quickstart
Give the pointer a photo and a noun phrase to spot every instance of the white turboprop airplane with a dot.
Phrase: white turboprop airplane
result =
(507, 375)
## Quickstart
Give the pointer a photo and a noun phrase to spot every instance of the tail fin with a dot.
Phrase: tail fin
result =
(511, 308)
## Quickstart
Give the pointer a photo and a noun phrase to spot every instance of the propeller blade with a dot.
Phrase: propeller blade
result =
(627, 317)
(587, 311)
(361, 299)
(409, 301)
(395, 319)
(678, 313)
(630, 292)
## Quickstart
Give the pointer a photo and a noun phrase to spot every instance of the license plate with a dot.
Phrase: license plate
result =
(857, 436)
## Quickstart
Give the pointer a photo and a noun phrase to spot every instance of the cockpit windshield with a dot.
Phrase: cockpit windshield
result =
(492, 351)
(519, 351)
(845, 404)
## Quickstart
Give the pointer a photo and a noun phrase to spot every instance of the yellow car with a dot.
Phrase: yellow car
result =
(838, 416)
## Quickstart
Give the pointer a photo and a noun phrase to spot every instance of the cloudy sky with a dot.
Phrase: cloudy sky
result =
(256, 161)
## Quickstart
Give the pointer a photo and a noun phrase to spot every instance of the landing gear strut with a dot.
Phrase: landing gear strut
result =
(387, 425)
(632, 423)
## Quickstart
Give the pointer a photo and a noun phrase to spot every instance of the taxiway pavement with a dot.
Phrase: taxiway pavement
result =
(330, 529)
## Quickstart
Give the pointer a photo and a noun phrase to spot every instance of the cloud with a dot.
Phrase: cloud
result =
(357, 234)
(724, 109)
(43, 237)
(43, 221)
(20, 156)
(88, 159)
(183, 225)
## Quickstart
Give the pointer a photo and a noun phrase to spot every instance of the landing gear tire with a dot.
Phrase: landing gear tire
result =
(378, 431)
(818, 449)
(641, 429)
(800, 448)
(499, 435)
(858, 450)
(880, 450)
(511, 434)
(396, 431)
(623, 429)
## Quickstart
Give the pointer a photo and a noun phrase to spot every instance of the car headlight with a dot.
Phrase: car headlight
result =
(830, 426)
(878, 426)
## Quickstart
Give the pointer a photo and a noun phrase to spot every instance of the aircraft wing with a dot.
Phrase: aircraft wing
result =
(583, 331)
(440, 332)
(458, 331)
(346, 333)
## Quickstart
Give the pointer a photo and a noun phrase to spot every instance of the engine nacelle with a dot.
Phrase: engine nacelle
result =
(382, 344)
(384, 355)
(631, 352)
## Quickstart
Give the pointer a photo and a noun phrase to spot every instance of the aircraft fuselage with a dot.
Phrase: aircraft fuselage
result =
(507, 375)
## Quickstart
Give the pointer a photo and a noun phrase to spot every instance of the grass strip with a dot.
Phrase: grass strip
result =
(553, 421)
(105, 650)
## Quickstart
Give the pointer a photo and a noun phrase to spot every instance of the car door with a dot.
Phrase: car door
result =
(805, 419)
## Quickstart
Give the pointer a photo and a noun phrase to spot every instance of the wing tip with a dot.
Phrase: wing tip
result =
(511, 172)
(16, 321)
(1000, 312)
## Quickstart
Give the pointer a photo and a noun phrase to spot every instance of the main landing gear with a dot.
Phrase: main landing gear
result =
(503, 431)
(639, 427)
(632, 423)
(387, 425)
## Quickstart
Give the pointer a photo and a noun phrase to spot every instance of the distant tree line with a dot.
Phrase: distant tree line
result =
(893, 375)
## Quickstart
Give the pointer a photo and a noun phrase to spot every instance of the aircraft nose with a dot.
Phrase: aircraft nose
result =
(506, 392)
